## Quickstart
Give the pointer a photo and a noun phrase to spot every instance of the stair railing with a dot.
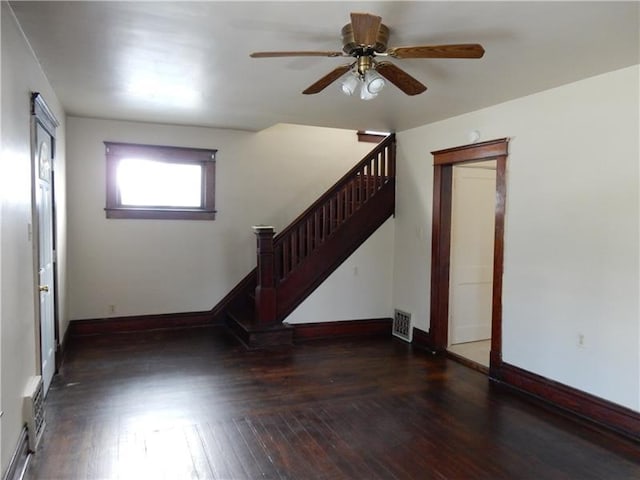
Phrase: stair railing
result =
(336, 206)
(316, 224)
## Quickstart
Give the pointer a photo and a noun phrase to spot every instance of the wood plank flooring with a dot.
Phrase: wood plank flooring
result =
(191, 404)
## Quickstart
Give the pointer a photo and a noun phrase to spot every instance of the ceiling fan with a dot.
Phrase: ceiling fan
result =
(365, 39)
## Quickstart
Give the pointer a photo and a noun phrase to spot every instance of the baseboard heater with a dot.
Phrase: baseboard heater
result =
(33, 411)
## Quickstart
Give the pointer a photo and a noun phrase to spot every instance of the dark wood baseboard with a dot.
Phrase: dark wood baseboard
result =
(422, 340)
(594, 409)
(19, 459)
(601, 412)
(345, 328)
(101, 326)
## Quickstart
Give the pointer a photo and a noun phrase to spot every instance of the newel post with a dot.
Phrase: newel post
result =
(266, 287)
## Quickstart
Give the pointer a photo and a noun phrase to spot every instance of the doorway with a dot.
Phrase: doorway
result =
(471, 260)
(43, 147)
(446, 269)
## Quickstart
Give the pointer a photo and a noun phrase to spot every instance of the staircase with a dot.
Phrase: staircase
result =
(295, 262)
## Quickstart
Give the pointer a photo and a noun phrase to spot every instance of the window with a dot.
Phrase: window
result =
(158, 182)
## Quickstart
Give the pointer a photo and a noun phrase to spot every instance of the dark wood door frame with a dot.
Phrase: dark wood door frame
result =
(443, 162)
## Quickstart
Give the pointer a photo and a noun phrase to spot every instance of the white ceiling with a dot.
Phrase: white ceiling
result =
(188, 62)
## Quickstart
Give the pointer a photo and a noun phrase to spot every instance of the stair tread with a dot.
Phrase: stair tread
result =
(251, 325)
(244, 314)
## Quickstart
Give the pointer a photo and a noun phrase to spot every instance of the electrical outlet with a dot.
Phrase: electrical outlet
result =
(112, 309)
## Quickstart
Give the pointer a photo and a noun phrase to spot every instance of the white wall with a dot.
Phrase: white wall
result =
(572, 229)
(21, 75)
(161, 266)
(361, 288)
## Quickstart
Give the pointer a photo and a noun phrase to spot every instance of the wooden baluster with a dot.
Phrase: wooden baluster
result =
(354, 197)
(376, 177)
(375, 173)
(303, 241)
(294, 249)
(360, 186)
(317, 234)
(332, 214)
(325, 221)
(384, 165)
(343, 208)
(346, 200)
(372, 179)
(367, 169)
(266, 284)
(309, 223)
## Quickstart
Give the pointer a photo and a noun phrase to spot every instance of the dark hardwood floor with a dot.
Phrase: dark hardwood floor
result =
(192, 404)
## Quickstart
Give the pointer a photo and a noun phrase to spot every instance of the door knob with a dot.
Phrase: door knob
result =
(43, 288)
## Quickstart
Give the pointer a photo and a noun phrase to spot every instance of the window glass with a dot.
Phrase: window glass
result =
(159, 182)
(148, 183)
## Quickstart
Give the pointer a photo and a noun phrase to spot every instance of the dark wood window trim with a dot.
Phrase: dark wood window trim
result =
(443, 161)
(115, 152)
(364, 136)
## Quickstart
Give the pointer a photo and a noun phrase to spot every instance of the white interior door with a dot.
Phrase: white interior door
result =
(471, 264)
(46, 284)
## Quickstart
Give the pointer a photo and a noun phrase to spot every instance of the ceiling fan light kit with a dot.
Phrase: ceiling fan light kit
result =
(364, 39)
(350, 84)
(374, 82)
(365, 93)
(370, 84)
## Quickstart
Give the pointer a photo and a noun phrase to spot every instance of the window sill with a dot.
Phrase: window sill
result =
(159, 214)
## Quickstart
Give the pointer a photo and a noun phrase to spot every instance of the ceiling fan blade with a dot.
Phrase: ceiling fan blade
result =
(400, 78)
(464, 50)
(325, 81)
(365, 28)
(296, 54)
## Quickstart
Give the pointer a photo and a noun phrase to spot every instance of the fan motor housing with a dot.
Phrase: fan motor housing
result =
(349, 45)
